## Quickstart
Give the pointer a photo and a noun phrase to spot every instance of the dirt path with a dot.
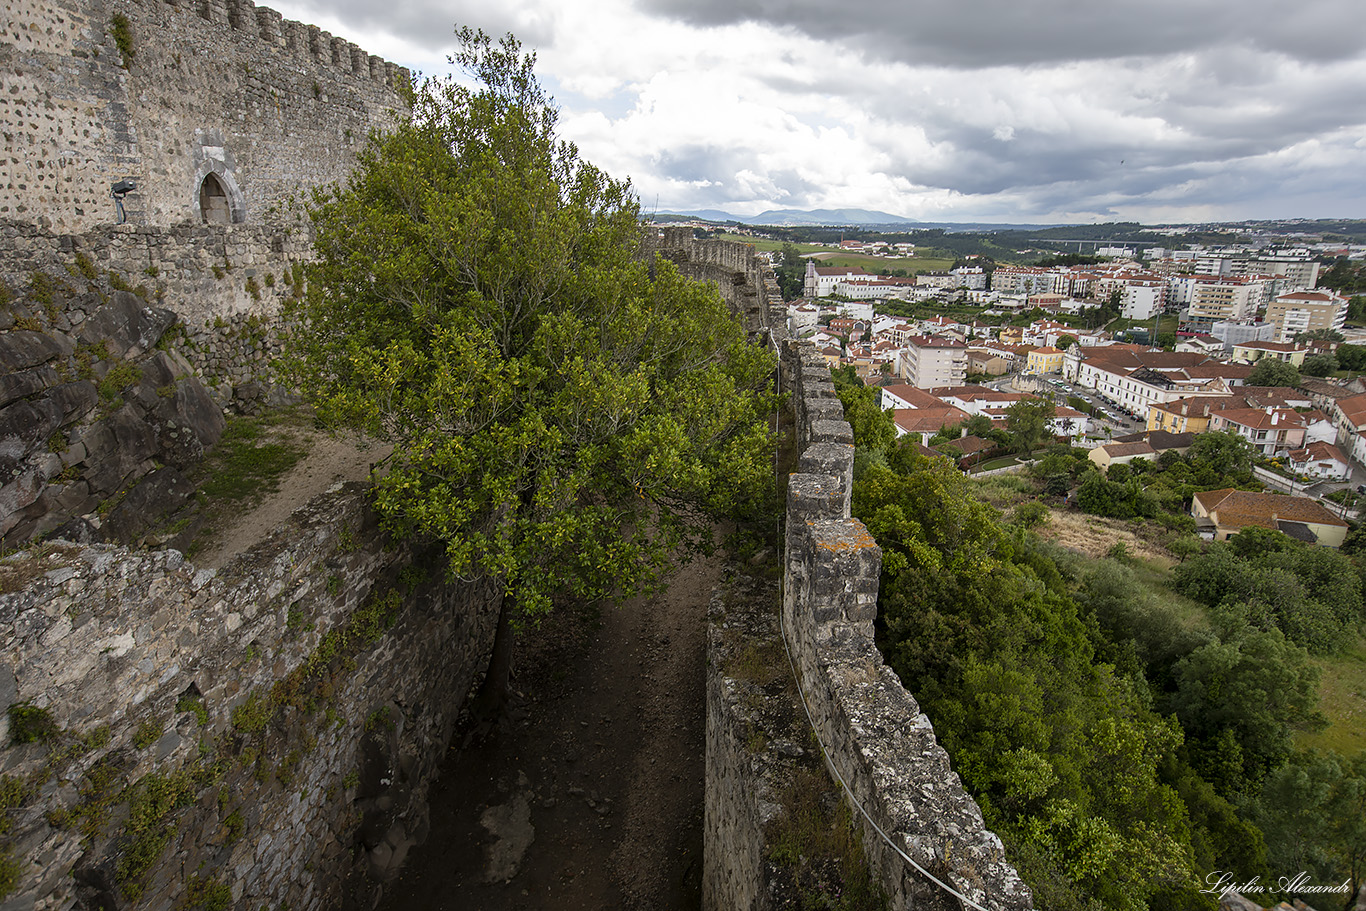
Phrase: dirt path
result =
(590, 795)
(329, 461)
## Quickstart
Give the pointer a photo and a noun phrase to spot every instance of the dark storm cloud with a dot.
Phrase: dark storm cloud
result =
(977, 33)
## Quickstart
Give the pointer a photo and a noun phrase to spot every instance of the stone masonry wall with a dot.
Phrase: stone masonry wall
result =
(201, 272)
(736, 269)
(226, 284)
(260, 735)
(878, 740)
(223, 87)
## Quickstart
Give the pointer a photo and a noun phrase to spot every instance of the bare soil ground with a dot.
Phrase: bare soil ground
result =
(604, 746)
(330, 460)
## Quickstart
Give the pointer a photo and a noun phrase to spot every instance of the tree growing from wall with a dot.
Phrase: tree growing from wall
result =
(565, 414)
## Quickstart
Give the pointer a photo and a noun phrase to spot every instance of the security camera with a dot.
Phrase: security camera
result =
(123, 187)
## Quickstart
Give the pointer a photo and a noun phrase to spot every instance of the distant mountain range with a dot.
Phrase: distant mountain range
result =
(839, 218)
(788, 218)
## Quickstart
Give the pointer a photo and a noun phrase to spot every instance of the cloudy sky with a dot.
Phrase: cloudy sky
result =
(974, 110)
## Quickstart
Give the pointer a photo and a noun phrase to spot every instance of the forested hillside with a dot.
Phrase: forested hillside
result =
(1127, 738)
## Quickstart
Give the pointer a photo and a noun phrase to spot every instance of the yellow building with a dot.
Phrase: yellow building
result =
(1252, 352)
(1044, 360)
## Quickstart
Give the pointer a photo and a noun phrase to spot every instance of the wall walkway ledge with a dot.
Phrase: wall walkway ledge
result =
(875, 736)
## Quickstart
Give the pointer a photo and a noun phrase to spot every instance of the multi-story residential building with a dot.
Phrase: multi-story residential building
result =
(1231, 333)
(1291, 271)
(1192, 414)
(1026, 280)
(1270, 430)
(1287, 270)
(1044, 360)
(927, 361)
(801, 317)
(936, 280)
(1143, 298)
(971, 278)
(1306, 311)
(1234, 300)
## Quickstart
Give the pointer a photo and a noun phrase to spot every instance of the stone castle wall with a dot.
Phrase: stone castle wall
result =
(881, 744)
(225, 88)
(736, 269)
(267, 731)
(878, 740)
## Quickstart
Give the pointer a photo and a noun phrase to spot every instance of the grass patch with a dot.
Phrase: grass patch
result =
(998, 463)
(120, 377)
(1342, 698)
(1006, 490)
(30, 724)
(121, 30)
(251, 457)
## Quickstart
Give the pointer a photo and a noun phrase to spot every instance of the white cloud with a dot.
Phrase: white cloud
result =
(988, 110)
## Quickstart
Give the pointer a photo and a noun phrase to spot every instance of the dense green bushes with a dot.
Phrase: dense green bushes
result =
(1121, 744)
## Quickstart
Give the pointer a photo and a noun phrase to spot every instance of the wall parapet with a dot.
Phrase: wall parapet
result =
(271, 727)
(876, 737)
(740, 274)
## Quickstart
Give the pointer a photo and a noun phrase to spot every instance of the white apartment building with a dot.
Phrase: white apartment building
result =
(1027, 280)
(1234, 300)
(971, 278)
(1143, 299)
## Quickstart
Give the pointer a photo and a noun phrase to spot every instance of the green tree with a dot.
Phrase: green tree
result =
(1272, 372)
(1222, 451)
(1313, 813)
(1027, 423)
(1241, 698)
(1319, 365)
(565, 414)
(791, 273)
(1352, 357)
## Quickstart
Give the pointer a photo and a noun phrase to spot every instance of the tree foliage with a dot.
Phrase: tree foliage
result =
(1027, 422)
(565, 413)
(1062, 753)
(791, 273)
(1272, 372)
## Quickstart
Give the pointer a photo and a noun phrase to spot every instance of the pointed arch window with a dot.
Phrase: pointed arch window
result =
(214, 208)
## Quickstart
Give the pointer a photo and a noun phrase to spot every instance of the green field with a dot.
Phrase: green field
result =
(1342, 697)
(932, 260)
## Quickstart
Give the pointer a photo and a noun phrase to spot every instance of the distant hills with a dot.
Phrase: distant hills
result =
(787, 218)
(834, 218)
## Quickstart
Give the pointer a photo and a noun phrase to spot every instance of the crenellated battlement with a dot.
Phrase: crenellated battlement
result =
(217, 111)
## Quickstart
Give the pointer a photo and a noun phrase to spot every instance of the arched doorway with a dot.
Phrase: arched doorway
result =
(213, 202)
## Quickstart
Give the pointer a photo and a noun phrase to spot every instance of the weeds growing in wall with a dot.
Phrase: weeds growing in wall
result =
(121, 30)
(815, 843)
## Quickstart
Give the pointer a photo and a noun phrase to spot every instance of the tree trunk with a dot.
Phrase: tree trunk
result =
(493, 693)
